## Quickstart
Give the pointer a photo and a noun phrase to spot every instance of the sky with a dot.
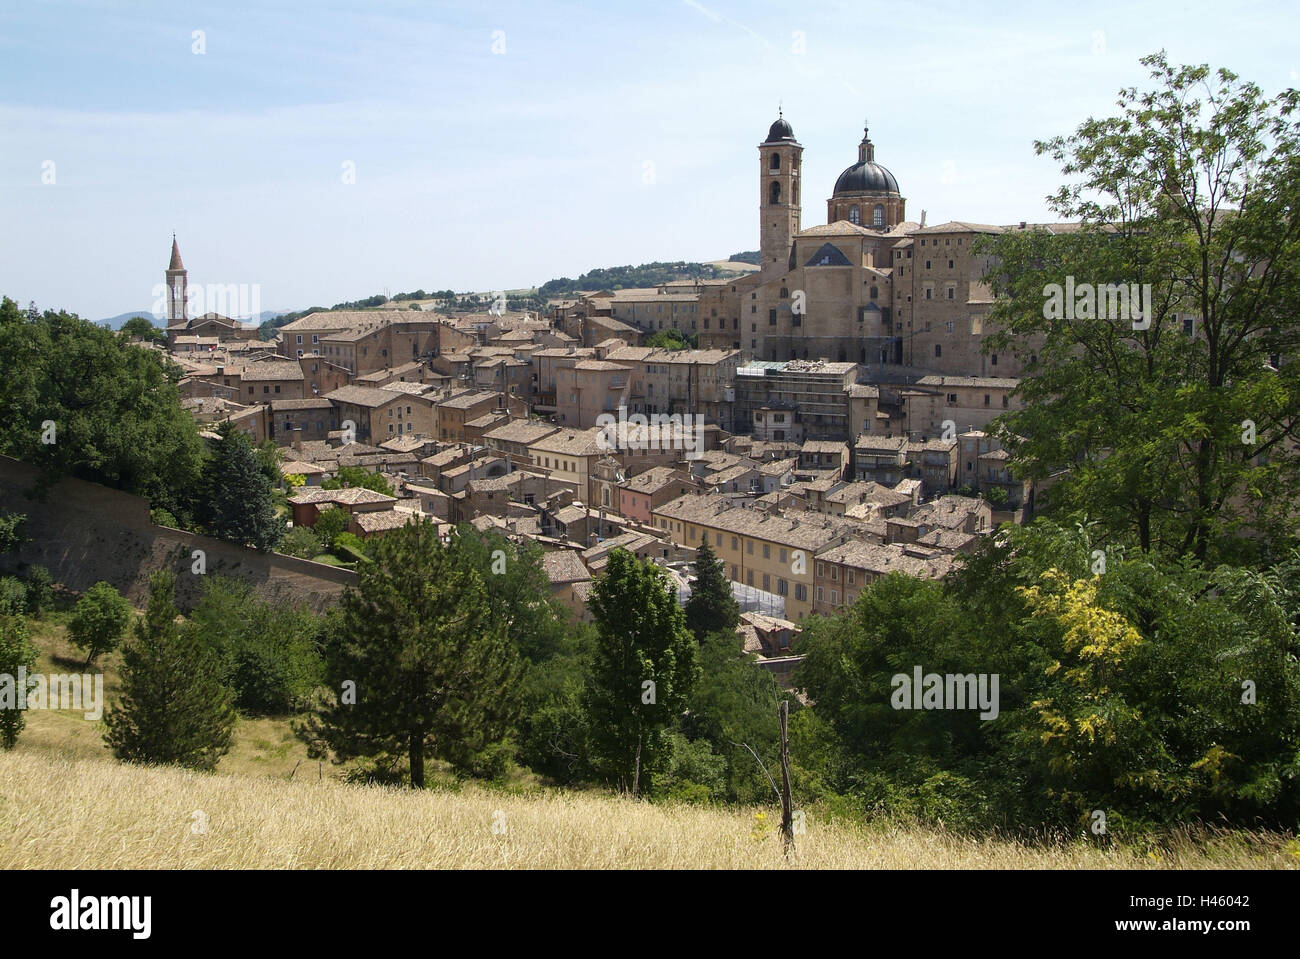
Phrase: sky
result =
(327, 151)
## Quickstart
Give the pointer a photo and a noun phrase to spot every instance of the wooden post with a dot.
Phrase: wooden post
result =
(787, 801)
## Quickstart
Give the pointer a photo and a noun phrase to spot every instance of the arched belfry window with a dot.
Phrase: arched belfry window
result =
(774, 193)
(878, 218)
(855, 215)
(776, 161)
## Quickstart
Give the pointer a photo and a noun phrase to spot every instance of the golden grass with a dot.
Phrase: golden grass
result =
(60, 813)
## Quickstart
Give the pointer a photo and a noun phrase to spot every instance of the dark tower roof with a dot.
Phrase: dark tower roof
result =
(780, 131)
(176, 263)
(866, 176)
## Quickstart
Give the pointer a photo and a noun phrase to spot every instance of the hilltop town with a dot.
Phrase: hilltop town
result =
(829, 429)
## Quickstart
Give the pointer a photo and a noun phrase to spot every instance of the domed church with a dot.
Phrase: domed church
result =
(866, 194)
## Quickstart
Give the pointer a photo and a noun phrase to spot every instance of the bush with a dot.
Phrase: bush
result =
(38, 590)
(13, 596)
(301, 542)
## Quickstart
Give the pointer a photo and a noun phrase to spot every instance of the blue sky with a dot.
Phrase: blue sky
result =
(599, 135)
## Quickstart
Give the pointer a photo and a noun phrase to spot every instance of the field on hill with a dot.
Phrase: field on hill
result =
(92, 814)
(66, 804)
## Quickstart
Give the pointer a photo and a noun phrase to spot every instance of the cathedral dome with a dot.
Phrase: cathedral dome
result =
(780, 130)
(865, 176)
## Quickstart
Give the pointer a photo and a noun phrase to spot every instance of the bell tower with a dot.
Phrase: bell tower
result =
(780, 170)
(176, 283)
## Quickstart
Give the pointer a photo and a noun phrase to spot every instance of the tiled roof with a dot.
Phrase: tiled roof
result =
(368, 396)
(564, 566)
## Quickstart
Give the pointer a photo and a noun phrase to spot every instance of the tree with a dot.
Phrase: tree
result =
(173, 707)
(733, 706)
(98, 620)
(77, 399)
(16, 653)
(330, 524)
(141, 328)
(419, 667)
(643, 669)
(238, 502)
(1177, 427)
(356, 476)
(711, 606)
(268, 653)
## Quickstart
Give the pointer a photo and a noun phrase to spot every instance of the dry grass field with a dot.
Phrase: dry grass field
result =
(66, 804)
(59, 813)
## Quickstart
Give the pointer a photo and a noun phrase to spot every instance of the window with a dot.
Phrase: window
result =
(717, 539)
(315, 339)
(774, 193)
(782, 556)
(875, 292)
(950, 264)
(835, 573)
(800, 592)
(692, 534)
(835, 597)
(767, 583)
(819, 594)
(735, 545)
(1004, 401)
(749, 547)
(855, 216)
(782, 587)
(850, 578)
(735, 573)
(878, 218)
(821, 570)
(299, 343)
(767, 554)
(749, 577)
(938, 350)
(771, 317)
(775, 163)
(994, 359)
(952, 292)
(986, 399)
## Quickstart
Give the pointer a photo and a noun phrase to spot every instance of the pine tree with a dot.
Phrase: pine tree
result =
(421, 667)
(711, 607)
(642, 672)
(173, 707)
(16, 651)
(238, 501)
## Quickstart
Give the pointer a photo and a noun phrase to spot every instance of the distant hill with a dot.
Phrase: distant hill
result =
(115, 322)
